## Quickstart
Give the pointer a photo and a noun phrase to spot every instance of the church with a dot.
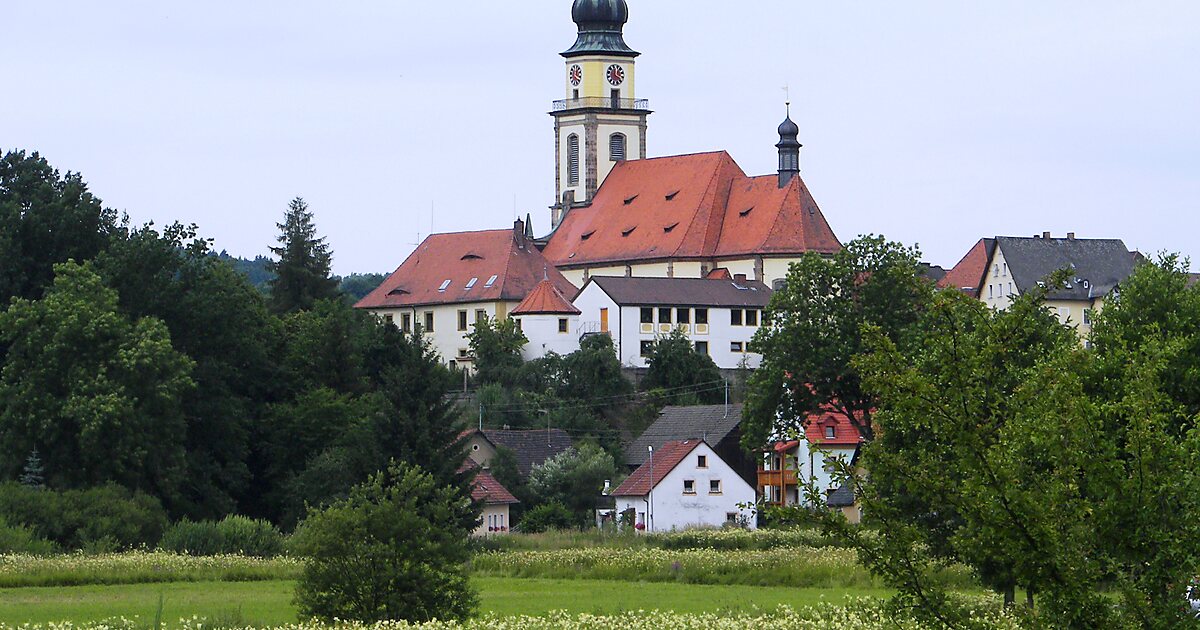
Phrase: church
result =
(617, 212)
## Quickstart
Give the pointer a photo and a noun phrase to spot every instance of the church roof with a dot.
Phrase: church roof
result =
(462, 267)
(690, 206)
(545, 299)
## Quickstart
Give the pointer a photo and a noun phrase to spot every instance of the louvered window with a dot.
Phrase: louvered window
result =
(616, 147)
(573, 160)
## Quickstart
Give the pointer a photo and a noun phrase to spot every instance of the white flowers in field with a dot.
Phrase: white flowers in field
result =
(855, 615)
(647, 560)
(138, 566)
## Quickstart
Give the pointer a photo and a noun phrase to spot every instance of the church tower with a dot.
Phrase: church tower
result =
(601, 121)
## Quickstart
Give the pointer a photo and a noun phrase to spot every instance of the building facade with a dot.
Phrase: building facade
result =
(549, 321)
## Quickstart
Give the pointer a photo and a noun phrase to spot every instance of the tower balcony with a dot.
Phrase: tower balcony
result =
(601, 102)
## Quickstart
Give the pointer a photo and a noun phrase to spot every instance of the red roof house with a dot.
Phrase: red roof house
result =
(967, 276)
(545, 299)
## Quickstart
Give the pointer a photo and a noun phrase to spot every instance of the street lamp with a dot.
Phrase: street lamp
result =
(650, 501)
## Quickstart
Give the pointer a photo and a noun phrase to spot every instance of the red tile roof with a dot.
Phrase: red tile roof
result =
(468, 260)
(545, 299)
(844, 432)
(690, 206)
(489, 491)
(967, 275)
(664, 461)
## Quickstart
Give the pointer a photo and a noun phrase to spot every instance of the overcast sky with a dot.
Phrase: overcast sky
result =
(930, 122)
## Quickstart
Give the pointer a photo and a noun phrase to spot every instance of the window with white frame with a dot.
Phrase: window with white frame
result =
(714, 486)
(689, 486)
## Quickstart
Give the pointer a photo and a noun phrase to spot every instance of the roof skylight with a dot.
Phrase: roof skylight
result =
(445, 285)
(491, 281)
(471, 283)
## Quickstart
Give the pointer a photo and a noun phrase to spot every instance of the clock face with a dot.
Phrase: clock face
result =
(576, 75)
(616, 74)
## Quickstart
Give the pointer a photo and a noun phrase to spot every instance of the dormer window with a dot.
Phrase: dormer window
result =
(398, 291)
(830, 432)
(628, 231)
(671, 195)
(746, 212)
(471, 283)
(471, 256)
(586, 235)
(445, 285)
(668, 228)
(491, 281)
(629, 200)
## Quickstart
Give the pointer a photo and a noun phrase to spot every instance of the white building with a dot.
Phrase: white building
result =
(685, 484)
(496, 500)
(720, 316)
(789, 467)
(549, 321)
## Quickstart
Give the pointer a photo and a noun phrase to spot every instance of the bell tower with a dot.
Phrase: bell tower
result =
(600, 121)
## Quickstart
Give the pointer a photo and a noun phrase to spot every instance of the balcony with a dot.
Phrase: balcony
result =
(600, 102)
(780, 478)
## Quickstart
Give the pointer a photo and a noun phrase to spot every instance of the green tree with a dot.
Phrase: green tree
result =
(496, 345)
(687, 376)
(99, 394)
(395, 549)
(302, 271)
(356, 286)
(593, 373)
(574, 479)
(815, 331)
(45, 218)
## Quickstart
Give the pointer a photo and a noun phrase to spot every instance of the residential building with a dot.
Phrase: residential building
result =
(719, 426)
(1014, 265)
(684, 485)
(549, 320)
(967, 276)
(453, 280)
(720, 316)
(496, 501)
(790, 466)
(532, 447)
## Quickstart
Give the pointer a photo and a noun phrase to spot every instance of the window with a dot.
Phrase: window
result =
(647, 348)
(480, 316)
(572, 160)
(647, 315)
(736, 346)
(996, 269)
(616, 147)
(751, 318)
(735, 317)
(683, 315)
(445, 285)
(428, 321)
(702, 316)
(702, 347)
(562, 324)
(462, 320)
(471, 283)
(990, 291)
(406, 322)
(664, 316)
(1005, 269)
(702, 461)
(389, 319)
(1087, 316)
(714, 486)
(464, 353)
(830, 432)
(731, 517)
(689, 486)
(490, 281)
(517, 321)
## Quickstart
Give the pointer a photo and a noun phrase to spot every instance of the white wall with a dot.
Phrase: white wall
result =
(674, 510)
(810, 464)
(544, 337)
(447, 340)
(494, 522)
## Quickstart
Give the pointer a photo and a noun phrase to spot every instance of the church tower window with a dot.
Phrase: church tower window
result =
(573, 160)
(616, 147)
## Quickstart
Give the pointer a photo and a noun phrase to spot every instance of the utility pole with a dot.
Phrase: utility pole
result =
(481, 416)
(650, 502)
(726, 398)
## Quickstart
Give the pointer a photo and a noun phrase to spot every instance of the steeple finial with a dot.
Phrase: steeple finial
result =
(789, 148)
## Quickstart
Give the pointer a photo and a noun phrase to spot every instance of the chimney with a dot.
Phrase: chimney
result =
(519, 233)
(1070, 236)
(739, 278)
(1045, 235)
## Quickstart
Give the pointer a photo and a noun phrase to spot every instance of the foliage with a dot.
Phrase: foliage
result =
(45, 219)
(99, 394)
(231, 535)
(33, 473)
(302, 271)
(356, 286)
(21, 539)
(139, 567)
(75, 519)
(815, 331)
(687, 376)
(496, 345)
(548, 517)
(574, 479)
(393, 550)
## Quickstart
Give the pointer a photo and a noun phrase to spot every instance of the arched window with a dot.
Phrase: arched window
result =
(616, 147)
(572, 160)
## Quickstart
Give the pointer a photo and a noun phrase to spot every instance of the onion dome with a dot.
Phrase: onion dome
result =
(789, 133)
(601, 23)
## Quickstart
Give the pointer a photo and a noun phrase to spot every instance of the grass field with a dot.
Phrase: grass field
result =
(269, 602)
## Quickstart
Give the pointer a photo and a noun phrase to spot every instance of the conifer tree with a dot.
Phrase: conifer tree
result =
(33, 474)
(302, 271)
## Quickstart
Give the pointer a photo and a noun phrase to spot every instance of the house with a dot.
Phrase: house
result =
(719, 315)
(496, 500)
(531, 447)
(549, 320)
(683, 485)
(453, 280)
(1014, 265)
(789, 466)
(719, 426)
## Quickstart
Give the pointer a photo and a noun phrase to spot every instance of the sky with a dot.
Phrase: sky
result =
(931, 122)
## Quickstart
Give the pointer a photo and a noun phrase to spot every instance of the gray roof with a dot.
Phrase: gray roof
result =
(842, 497)
(532, 447)
(702, 422)
(1098, 265)
(684, 291)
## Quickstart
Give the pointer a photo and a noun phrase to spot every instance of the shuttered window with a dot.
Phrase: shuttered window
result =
(616, 147)
(573, 160)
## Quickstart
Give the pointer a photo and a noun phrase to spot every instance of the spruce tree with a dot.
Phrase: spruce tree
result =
(302, 271)
(33, 475)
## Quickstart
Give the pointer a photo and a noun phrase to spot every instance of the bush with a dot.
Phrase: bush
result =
(232, 535)
(546, 517)
(96, 519)
(19, 539)
(395, 549)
